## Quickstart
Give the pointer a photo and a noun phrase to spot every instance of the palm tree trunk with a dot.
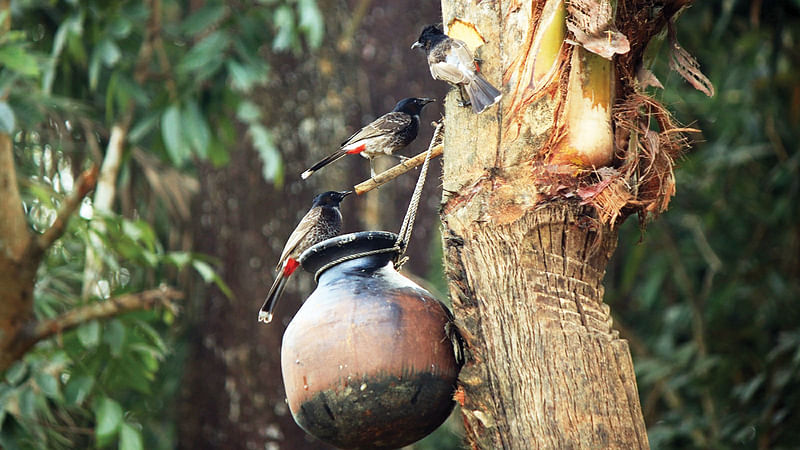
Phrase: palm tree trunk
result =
(533, 191)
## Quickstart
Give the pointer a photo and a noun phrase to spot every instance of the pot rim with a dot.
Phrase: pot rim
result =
(321, 256)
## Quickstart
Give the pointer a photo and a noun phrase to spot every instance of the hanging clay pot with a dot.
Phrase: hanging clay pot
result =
(367, 361)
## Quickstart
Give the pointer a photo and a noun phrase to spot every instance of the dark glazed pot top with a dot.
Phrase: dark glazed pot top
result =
(321, 255)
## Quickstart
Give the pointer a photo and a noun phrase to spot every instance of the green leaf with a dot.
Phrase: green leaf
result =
(12, 434)
(94, 69)
(172, 134)
(248, 112)
(48, 384)
(77, 389)
(203, 18)
(108, 416)
(195, 129)
(7, 122)
(270, 157)
(115, 337)
(27, 402)
(16, 58)
(16, 372)
(244, 76)
(149, 356)
(109, 52)
(152, 335)
(130, 438)
(218, 154)
(139, 231)
(284, 20)
(6, 392)
(89, 334)
(205, 270)
(142, 128)
(206, 52)
(179, 259)
(210, 275)
(311, 22)
(121, 27)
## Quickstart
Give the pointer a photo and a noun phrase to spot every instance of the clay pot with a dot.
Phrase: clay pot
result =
(366, 361)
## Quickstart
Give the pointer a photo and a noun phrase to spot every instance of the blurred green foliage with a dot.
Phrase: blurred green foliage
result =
(709, 298)
(177, 77)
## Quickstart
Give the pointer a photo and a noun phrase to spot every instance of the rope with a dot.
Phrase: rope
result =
(408, 221)
(411, 214)
(350, 258)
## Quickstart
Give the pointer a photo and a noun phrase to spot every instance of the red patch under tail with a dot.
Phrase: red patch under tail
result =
(358, 149)
(289, 267)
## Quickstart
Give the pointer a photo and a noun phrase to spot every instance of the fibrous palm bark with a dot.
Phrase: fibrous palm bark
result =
(534, 190)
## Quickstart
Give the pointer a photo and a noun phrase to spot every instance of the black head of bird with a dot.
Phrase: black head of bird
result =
(430, 35)
(330, 198)
(412, 106)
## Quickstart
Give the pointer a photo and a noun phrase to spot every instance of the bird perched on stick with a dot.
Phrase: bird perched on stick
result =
(450, 60)
(383, 136)
(323, 221)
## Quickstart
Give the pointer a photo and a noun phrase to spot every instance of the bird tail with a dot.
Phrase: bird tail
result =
(275, 292)
(482, 94)
(335, 156)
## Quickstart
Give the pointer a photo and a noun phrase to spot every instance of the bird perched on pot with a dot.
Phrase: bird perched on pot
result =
(383, 136)
(450, 60)
(323, 221)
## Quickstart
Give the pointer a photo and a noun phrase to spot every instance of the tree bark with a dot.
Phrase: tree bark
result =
(546, 369)
(525, 266)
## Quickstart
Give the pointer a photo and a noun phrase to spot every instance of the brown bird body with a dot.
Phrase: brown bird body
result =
(323, 221)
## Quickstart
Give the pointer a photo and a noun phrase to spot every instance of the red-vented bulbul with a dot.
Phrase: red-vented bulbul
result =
(383, 136)
(450, 60)
(322, 221)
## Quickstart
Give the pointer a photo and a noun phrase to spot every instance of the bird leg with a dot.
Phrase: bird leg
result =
(464, 98)
(371, 168)
(401, 157)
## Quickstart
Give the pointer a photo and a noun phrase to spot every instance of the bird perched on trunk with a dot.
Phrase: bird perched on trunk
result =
(383, 136)
(322, 221)
(450, 60)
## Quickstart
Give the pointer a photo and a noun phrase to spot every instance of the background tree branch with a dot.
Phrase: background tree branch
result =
(36, 331)
(83, 185)
(112, 307)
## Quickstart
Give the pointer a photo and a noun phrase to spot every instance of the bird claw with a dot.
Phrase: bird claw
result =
(464, 103)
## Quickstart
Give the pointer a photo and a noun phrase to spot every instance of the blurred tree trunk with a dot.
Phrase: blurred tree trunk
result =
(528, 221)
(233, 391)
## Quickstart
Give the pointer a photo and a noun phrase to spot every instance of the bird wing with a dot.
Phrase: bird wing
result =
(293, 244)
(387, 123)
(452, 62)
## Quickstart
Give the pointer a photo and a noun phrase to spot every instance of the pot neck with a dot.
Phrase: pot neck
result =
(362, 266)
(372, 250)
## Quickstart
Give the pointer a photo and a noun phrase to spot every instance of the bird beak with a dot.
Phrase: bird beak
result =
(344, 194)
(425, 101)
(417, 44)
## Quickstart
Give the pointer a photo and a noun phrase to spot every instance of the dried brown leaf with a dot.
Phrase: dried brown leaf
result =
(685, 64)
(646, 79)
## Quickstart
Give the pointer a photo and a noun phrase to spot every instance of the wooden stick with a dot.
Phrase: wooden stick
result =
(436, 147)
